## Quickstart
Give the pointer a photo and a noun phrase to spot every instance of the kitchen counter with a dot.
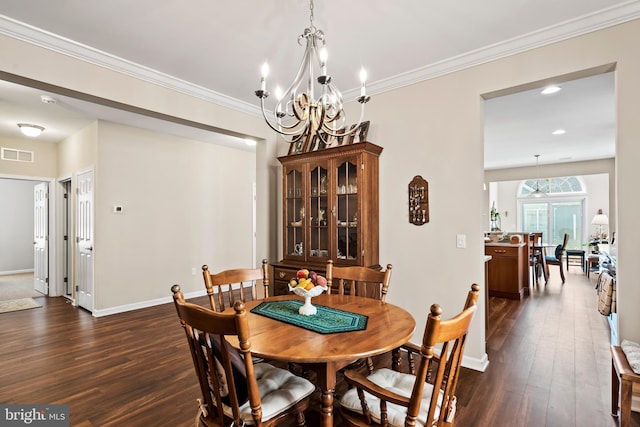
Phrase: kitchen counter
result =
(508, 269)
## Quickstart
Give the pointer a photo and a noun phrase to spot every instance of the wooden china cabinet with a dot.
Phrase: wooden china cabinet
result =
(330, 210)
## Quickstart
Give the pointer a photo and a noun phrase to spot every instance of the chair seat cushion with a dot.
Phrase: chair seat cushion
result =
(279, 390)
(557, 253)
(396, 382)
(551, 258)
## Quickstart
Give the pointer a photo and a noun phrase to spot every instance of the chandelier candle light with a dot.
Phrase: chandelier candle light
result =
(310, 106)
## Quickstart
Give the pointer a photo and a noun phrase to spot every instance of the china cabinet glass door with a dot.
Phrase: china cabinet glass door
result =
(346, 210)
(295, 214)
(319, 213)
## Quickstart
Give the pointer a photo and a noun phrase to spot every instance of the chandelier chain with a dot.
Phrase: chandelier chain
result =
(311, 12)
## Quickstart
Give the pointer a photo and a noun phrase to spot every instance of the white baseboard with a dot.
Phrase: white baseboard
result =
(475, 363)
(143, 304)
(6, 273)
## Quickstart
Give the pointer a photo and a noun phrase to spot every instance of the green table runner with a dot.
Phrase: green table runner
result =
(326, 321)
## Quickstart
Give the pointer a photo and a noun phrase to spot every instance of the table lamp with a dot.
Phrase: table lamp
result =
(600, 219)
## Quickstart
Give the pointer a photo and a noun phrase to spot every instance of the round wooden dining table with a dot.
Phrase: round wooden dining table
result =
(388, 327)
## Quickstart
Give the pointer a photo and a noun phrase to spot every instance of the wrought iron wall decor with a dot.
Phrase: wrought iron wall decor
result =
(418, 201)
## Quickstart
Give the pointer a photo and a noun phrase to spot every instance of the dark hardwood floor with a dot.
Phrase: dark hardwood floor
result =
(549, 363)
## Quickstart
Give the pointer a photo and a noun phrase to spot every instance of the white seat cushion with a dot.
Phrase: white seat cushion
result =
(396, 382)
(632, 352)
(279, 390)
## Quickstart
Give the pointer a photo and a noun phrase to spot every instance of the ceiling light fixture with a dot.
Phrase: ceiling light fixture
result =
(30, 130)
(559, 132)
(311, 105)
(550, 89)
(48, 99)
(537, 193)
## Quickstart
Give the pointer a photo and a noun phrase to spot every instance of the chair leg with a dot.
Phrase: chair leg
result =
(561, 272)
(301, 420)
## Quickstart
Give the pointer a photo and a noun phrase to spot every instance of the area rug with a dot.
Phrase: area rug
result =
(327, 321)
(18, 304)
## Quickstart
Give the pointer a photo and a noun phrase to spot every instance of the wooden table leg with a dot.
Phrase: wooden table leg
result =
(615, 389)
(625, 406)
(326, 378)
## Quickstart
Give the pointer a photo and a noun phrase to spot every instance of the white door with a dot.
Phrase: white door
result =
(84, 240)
(40, 237)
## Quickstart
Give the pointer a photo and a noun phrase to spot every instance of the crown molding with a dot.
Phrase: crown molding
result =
(565, 30)
(36, 36)
(614, 15)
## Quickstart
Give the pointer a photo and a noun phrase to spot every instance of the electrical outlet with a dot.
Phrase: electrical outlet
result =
(194, 271)
(461, 241)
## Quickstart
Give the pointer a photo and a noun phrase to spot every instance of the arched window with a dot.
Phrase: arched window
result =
(552, 186)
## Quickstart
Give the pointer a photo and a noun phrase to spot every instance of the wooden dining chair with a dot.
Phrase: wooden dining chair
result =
(226, 287)
(360, 281)
(425, 397)
(535, 255)
(557, 257)
(235, 391)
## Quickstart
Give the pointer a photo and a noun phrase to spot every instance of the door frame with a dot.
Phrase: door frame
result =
(65, 214)
(54, 284)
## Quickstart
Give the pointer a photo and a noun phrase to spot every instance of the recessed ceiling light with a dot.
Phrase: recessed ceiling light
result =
(551, 89)
(30, 130)
(559, 132)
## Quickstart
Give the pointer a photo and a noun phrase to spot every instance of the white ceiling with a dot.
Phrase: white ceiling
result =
(214, 49)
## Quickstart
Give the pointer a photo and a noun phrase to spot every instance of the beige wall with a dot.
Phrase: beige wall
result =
(24, 59)
(78, 152)
(186, 203)
(433, 129)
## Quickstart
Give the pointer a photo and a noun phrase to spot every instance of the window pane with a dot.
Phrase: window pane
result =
(534, 218)
(567, 218)
(554, 219)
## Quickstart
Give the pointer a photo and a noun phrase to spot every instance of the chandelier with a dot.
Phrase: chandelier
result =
(311, 105)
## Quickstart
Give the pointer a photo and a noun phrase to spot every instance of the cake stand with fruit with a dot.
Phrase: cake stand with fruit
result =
(307, 284)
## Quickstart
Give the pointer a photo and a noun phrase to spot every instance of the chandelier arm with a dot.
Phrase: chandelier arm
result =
(346, 132)
(290, 93)
(280, 131)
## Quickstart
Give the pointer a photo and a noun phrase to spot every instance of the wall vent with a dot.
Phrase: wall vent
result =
(16, 155)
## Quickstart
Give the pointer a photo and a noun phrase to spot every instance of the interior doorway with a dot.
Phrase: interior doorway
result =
(18, 235)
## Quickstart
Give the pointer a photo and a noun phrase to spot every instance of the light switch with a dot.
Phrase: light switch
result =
(461, 241)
